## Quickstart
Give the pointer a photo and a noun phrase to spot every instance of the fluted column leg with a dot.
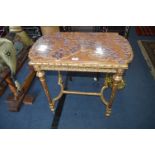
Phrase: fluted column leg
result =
(117, 78)
(41, 75)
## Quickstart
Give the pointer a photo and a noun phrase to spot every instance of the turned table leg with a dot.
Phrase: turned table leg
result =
(117, 78)
(41, 75)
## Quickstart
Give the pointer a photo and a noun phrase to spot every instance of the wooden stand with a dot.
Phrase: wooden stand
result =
(16, 99)
(21, 58)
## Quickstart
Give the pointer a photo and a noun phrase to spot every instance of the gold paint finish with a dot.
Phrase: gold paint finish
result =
(41, 75)
(82, 52)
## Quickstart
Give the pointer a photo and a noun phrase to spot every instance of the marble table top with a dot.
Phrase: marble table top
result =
(109, 50)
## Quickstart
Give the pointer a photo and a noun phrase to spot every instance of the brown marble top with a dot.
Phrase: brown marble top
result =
(107, 49)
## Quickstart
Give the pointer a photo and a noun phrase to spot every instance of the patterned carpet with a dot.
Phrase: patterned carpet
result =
(148, 51)
(145, 30)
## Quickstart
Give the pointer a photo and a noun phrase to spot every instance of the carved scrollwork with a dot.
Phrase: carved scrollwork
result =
(60, 83)
(109, 82)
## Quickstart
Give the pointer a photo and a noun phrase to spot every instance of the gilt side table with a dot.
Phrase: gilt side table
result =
(107, 53)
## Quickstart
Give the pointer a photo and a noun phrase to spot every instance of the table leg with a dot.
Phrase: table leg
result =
(117, 78)
(41, 75)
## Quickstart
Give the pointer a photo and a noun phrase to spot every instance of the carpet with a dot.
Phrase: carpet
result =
(145, 30)
(148, 51)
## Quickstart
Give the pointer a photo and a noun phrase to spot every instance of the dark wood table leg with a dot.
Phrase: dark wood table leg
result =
(117, 78)
(41, 75)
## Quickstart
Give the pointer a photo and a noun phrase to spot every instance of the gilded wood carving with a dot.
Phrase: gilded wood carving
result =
(82, 52)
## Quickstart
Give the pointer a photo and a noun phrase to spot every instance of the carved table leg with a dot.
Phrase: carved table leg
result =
(117, 78)
(41, 75)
